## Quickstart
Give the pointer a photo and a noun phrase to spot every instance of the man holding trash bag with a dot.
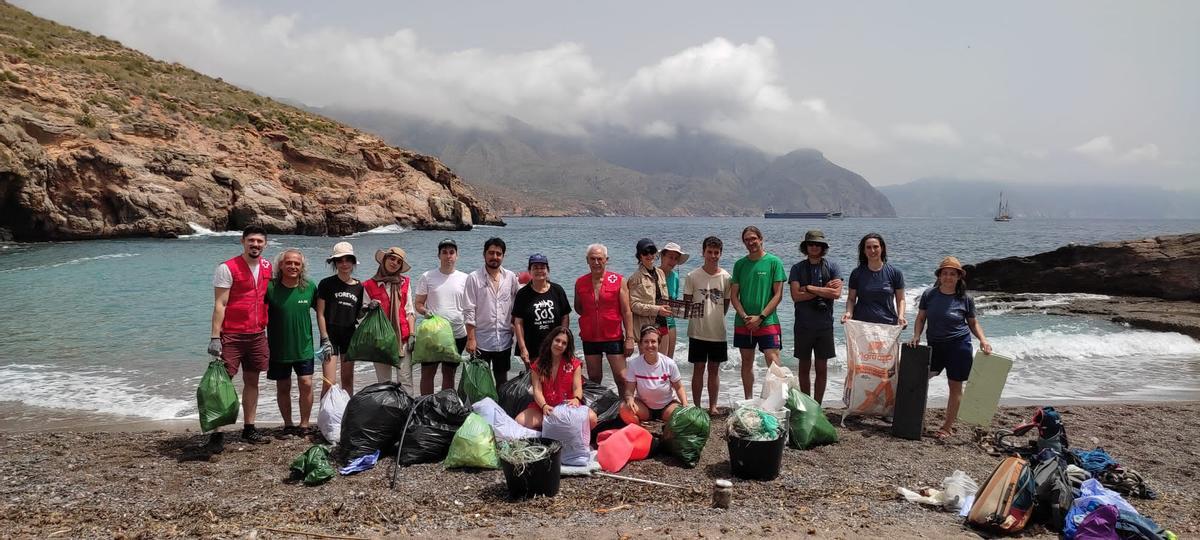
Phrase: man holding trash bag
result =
(489, 294)
(239, 326)
(440, 292)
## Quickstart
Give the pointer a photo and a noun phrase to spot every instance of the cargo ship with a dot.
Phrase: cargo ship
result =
(772, 214)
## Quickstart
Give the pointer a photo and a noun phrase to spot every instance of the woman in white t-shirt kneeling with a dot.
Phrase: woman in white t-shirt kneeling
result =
(653, 387)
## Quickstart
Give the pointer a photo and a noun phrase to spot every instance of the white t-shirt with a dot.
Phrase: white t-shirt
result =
(653, 380)
(713, 291)
(223, 278)
(445, 296)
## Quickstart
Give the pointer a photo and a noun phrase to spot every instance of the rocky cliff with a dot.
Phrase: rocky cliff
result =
(1166, 267)
(97, 140)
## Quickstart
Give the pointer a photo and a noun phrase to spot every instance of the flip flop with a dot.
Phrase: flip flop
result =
(943, 434)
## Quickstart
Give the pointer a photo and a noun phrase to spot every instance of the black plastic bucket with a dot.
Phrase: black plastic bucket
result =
(756, 460)
(537, 478)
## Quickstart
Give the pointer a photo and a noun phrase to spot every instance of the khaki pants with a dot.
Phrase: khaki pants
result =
(401, 375)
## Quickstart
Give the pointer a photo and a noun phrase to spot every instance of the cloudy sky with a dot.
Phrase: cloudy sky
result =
(1084, 92)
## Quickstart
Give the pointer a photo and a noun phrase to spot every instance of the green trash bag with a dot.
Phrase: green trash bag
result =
(809, 427)
(314, 465)
(686, 434)
(477, 382)
(375, 340)
(433, 341)
(473, 445)
(216, 398)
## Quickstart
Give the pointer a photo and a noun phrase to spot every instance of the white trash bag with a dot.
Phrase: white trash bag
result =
(329, 419)
(569, 426)
(503, 425)
(872, 351)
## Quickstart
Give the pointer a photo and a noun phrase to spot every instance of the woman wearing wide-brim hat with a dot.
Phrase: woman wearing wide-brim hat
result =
(950, 313)
(670, 257)
(340, 299)
(390, 288)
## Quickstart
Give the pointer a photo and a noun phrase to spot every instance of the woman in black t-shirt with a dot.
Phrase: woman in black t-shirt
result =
(339, 301)
(539, 307)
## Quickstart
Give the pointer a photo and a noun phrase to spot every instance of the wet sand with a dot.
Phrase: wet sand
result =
(106, 480)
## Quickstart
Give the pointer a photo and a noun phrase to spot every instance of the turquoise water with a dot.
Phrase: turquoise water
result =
(121, 326)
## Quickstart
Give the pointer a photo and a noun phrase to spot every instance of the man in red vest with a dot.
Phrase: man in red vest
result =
(239, 325)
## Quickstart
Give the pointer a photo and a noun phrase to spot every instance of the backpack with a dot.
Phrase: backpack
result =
(1005, 502)
(1054, 492)
(806, 270)
(1051, 434)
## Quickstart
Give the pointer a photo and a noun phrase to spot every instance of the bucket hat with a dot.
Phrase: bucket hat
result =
(342, 249)
(383, 253)
(814, 236)
(950, 262)
(672, 246)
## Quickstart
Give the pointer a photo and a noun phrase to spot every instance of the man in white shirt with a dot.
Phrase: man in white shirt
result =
(440, 292)
(489, 296)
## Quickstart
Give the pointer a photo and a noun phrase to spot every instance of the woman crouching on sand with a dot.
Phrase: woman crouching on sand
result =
(950, 313)
(557, 378)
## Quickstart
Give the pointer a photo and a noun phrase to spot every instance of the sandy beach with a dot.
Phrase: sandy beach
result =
(121, 482)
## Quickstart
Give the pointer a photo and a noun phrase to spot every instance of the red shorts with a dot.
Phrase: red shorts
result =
(250, 351)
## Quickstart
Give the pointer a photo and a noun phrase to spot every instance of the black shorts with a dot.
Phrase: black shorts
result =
(818, 343)
(603, 347)
(657, 414)
(283, 372)
(501, 360)
(700, 351)
(340, 337)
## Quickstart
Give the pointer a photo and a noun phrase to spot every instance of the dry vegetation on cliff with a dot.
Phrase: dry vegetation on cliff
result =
(98, 140)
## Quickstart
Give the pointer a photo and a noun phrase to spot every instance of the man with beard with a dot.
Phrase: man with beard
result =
(239, 325)
(489, 295)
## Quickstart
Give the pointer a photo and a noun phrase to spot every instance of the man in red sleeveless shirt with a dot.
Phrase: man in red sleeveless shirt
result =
(239, 324)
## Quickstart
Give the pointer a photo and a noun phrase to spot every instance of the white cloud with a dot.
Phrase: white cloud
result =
(1103, 150)
(935, 133)
(722, 87)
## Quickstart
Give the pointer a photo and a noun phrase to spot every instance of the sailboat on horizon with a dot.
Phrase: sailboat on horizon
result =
(1002, 210)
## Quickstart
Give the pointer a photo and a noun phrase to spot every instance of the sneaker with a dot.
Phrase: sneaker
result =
(254, 436)
(215, 443)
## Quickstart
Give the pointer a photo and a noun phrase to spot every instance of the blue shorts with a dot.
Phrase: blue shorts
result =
(283, 372)
(763, 342)
(954, 356)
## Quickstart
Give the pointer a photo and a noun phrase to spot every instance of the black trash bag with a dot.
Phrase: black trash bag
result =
(516, 394)
(602, 399)
(434, 421)
(374, 419)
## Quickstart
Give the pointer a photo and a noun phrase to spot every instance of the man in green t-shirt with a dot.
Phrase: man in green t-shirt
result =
(755, 291)
(290, 297)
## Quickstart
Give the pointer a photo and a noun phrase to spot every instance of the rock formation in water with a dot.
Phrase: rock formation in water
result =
(97, 140)
(1166, 267)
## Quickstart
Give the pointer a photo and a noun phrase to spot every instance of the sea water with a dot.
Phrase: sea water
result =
(121, 326)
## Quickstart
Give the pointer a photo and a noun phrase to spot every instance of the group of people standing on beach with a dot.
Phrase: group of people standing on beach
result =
(261, 320)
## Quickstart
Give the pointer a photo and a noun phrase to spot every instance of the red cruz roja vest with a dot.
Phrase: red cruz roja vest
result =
(377, 291)
(601, 320)
(246, 310)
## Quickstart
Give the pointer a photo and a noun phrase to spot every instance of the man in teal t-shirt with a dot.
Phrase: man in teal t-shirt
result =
(756, 290)
(290, 298)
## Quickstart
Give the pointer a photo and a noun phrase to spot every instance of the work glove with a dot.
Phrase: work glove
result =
(214, 346)
(326, 348)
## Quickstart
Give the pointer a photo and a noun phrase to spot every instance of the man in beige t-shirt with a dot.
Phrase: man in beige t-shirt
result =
(707, 347)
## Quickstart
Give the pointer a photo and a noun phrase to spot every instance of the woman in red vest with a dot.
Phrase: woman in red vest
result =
(605, 322)
(390, 287)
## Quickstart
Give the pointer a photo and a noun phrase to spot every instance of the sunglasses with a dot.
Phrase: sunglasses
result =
(648, 251)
